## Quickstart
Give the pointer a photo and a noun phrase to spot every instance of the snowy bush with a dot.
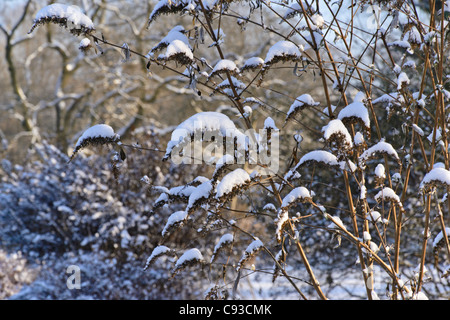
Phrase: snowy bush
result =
(321, 149)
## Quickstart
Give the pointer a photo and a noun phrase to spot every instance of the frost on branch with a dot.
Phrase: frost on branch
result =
(156, 253)
(70, 17)
(436, 177)
(189, 258)
(252, 249)
(225, 241)
(300, 103)
(100, 134)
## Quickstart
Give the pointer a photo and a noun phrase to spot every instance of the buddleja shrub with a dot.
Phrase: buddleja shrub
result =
(376, 175)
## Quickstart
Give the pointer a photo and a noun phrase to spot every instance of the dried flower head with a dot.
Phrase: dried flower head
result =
(66, 16)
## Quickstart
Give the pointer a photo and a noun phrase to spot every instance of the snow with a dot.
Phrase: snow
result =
(225, 240)
(72, 13)
(302, 101)
(402, 80)
(418, 130)
(188, 256)
(208, 121)
(283, 49)
(336, 128)
(254, 246)
(269, 207)
(297, 194)
(292, 10)
(97, 131)
(375, 215)
(224, 65)
(380, 147)
(174, 34)
(235, 178)
(269, 123)
(177, 47)
(387, 194)
(436, 175)
(223, 161)
(175, 218)
(85, 43)
(319, 156)
(440, 236)
(201, 192)
(318, 20)
(253, 62)
(380, 171)
(355, 109)
(392, 97)
(401, 44)
(358, 138)
(336, 223)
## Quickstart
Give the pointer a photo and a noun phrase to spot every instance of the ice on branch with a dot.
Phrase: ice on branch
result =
(355, 112)
(225, 241)
(283, 51)
(381, 147)
(98, 134)
(232, 183)
(320, 157)
(224, 66)
(175, 220)
(300, 103)
(179, 51)
(437, 176)
(252, 249)
(156, 253)
(189, 258)
(336, 133)
(67, 16)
